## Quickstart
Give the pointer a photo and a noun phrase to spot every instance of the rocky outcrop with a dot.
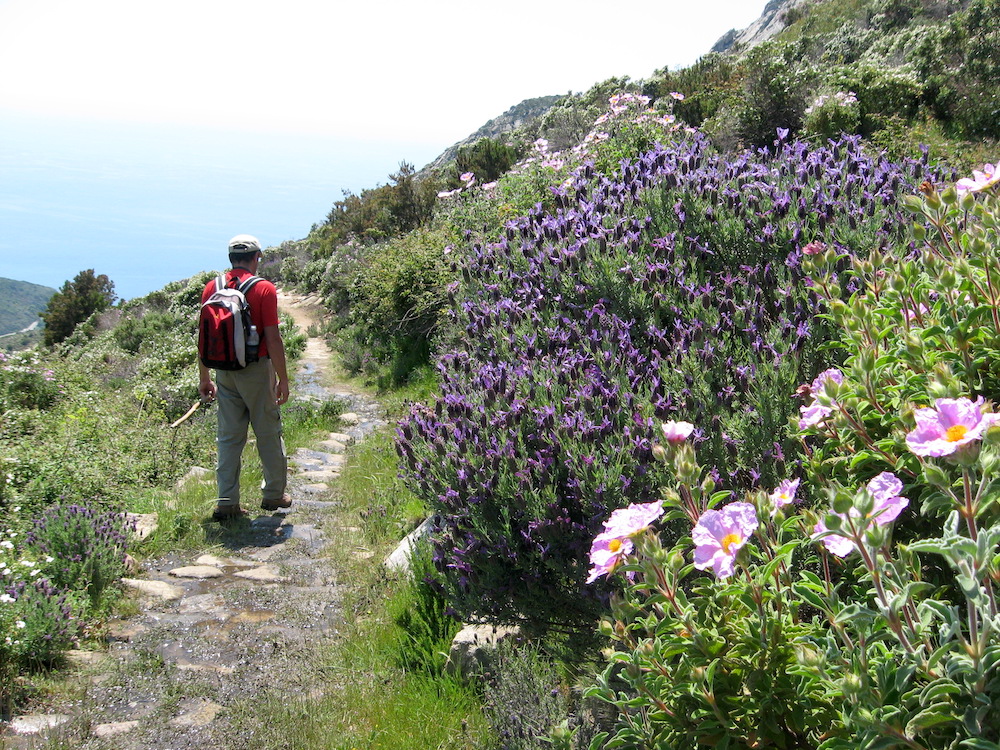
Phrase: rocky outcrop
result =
(517, 116)
(772, 21)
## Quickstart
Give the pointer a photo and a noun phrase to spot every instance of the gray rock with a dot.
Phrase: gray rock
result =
(195, 473)
(197, 713)
(114, 728)
(399, 559)
(472, 647)
(145, 523)
(264, 574)
(350, 419)
(37, 723)
(156, 589)
(199, 572)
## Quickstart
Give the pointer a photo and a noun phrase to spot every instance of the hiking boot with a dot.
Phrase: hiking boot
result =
(225, 513)
(285, 501)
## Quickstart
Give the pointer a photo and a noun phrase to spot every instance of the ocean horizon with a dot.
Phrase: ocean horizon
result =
(147, 205)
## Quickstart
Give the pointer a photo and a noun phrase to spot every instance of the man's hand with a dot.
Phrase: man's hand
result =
(207, 390)
(281, 392)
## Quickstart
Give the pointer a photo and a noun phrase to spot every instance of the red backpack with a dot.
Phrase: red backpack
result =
(227, 337)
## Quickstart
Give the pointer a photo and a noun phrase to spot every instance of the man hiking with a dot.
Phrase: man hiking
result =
(249, 394)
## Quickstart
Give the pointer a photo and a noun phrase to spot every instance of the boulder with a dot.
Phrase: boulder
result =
(472, 648)
(399, 559)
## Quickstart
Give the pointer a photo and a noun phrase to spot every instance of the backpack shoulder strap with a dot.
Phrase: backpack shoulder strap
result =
(220, 282)
(248, 284)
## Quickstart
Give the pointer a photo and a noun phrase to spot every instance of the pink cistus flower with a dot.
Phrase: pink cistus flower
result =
(784, 494)
(981, 179)
(815, 412)
(676, 432)
(814, 248)
(948, 425)
(884, 489)
(612, 545)
(720, 534)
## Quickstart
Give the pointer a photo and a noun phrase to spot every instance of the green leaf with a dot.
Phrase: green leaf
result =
(977, 743)
(932, 716)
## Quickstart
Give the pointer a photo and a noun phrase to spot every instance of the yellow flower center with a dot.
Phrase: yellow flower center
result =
(729, 540)
(955, 433)
(614, 545)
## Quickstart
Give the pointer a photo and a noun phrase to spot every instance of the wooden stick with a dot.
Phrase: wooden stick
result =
(190, 411)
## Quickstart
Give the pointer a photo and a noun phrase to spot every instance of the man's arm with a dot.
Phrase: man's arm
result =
(276, 351)
(205, 385)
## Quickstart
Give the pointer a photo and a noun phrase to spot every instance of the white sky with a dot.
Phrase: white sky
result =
(370, 69)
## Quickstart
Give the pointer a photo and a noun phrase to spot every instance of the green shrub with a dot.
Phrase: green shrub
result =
(884, 643)
(522, 700)
(426, 628)
(396, 305)
(83, 549)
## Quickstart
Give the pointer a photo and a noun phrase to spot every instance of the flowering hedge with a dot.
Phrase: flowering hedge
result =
(674, 289)
(817, 628)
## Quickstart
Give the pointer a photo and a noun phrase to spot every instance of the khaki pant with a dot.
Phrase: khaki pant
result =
(246, 397)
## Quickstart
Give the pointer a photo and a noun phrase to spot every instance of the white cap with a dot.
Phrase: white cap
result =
(244, 243)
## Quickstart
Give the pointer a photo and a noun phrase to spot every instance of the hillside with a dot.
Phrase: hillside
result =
(20, 304)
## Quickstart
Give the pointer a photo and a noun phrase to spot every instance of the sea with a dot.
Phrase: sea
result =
(150, 204)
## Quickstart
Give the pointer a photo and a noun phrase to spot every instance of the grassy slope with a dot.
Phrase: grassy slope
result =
(21, 303)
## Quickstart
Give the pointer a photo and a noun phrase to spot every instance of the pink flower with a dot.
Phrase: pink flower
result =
(784, 494)
(920, 311)
(627, 522)
(884, 489)
(606, 554)
(468, 178)
(676, 432)
(676, 95)
(814, 248)
(815, 412)
(719, 535)
(612, 544)
(981, 180)
(950, 424)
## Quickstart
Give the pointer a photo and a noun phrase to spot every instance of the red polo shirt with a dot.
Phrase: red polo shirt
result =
(263, 301)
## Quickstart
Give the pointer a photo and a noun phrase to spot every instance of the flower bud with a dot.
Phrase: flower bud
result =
(852, 684)
(935, 476)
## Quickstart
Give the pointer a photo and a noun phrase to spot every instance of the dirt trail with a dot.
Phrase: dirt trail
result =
(217, 628)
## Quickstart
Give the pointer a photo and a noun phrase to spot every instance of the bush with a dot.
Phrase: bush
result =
(831, 115)
(396, 304)
(426, 627)
(894, 637)
(83, 549)
(522, 700)
(582, 326)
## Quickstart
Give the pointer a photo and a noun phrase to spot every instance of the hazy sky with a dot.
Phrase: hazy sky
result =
(133, 130)
(369, 69)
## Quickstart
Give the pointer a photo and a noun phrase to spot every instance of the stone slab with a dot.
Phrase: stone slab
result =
(263, 574)
(37, 723)
(156, 589)
(197, 714)
(199, 572)
(145, 523)
(114, 728)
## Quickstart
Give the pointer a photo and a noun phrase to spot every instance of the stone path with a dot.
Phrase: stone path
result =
(214, 630)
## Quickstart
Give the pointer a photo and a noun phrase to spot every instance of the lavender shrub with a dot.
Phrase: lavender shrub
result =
(83, 548)
(673, 290)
